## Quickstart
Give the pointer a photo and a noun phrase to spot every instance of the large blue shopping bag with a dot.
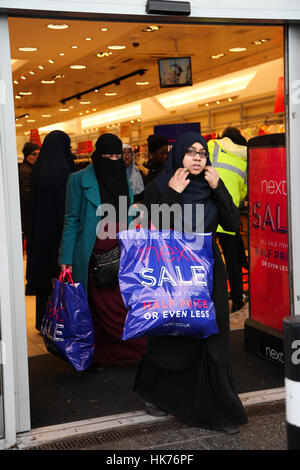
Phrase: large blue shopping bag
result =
(166, 281)
(67, 326)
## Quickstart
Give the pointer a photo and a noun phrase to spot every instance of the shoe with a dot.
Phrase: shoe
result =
(230, 430)
(95, 369)
(150, 408)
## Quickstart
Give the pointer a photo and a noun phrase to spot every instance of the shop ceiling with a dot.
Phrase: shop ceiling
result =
(43, 78)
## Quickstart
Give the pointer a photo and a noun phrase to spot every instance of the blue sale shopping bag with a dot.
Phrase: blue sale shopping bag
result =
(67, 326)
(166, 282)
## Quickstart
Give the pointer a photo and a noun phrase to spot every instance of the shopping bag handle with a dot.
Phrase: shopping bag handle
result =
(67, 273)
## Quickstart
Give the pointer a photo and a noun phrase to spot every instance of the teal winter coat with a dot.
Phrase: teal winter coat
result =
(79, 233)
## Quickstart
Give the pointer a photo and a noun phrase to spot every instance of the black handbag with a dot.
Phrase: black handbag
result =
(106, 266)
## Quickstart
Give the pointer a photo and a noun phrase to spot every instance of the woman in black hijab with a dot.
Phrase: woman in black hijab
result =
(48, 186)
(104, 181)
(186, 377)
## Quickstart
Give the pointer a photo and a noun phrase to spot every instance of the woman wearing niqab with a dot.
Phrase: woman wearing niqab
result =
(187, 377)
(48, 186)
(104, 181)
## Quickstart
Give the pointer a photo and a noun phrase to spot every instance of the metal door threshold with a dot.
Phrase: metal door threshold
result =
(109, 428)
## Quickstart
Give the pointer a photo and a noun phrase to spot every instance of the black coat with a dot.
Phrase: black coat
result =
(178, 352)
(25, 170)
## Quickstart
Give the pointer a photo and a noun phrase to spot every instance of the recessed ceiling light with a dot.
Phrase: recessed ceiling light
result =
(238, 49)
(110, 93)
(217, 56)
(218, 102)
(142, 83)
(104, 29)
(57, 26)
(63, 109)
(87, 112)
(61, 53)
(30, 120)
(18, 125)
(88, 38)
(96, 91)
(116, 48)
(151, 28)
(25, 93)
(103, 54)
(16, 82)
(74, 47)
(26, 116)
(31, 72)
(28, 49)
(51, 61)
(94, 109)
(206, 104)
(41, 67)
(260, 41)
(23, 78)
(46, 115)
(229, 99)
(18, 97)
(47, 82)
(85, 102)
(77, 67)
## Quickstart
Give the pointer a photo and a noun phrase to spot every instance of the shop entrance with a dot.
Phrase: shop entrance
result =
(72, 78)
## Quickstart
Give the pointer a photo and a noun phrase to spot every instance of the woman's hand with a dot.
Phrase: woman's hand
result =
(178, 182)
(63, 267)
(212, 176)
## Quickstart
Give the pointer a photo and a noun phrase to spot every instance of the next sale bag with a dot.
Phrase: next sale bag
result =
(67, 326)
(166, 283)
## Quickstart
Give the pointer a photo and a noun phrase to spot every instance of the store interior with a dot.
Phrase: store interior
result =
(89, 77)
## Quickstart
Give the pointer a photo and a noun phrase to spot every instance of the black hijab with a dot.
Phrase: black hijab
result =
(111, 174)
(198, 190)
(48, 184)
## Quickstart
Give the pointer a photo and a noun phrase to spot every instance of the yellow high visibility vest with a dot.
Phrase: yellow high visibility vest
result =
(230, 161)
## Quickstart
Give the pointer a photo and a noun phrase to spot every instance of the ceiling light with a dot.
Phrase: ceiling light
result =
(94, 109)
(229, 99)
(16, 82)
(25, 93)
(57, 26)
(46, 115)
(80, 114)
(61, 53)
(206, 104)
(113, 93)
(114, 115)
(103, 54)
(77, 67)
(96, 91)
(87, 112)
(18, 125)
(151, 28)
(18, 97)
(41, 67)
(104, 29)
(142, 83)
(88, 38)
(23, 78)
(32, 73)
(47, 82)
(218, 102)
(212, 88)
(26, 116)
(28, 49)
(74, 47)
(51, 61)
(116, 48)
(217, 56)
(238, 49)
(63, 109)
(30, 120)
(260, 41)
(85, 102)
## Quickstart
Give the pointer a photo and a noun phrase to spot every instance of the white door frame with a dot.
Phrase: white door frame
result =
(12, 300)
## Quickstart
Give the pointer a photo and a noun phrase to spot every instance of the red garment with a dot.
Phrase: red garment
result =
(109, 314)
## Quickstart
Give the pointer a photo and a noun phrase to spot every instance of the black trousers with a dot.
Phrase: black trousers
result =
(230, 245)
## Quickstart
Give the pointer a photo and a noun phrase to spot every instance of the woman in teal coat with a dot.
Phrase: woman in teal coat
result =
(104, 181)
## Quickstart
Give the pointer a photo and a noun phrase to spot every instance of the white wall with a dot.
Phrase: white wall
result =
(256, 9)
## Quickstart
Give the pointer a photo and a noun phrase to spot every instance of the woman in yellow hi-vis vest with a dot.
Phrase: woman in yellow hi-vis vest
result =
(229, 156)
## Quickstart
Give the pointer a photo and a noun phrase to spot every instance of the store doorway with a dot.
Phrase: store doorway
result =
(239, 68)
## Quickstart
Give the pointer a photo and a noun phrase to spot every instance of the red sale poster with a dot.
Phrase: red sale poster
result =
(268, 238)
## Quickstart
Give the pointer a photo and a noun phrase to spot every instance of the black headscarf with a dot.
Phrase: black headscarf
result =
(111, 174)
(198, 190)
(48, 184)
